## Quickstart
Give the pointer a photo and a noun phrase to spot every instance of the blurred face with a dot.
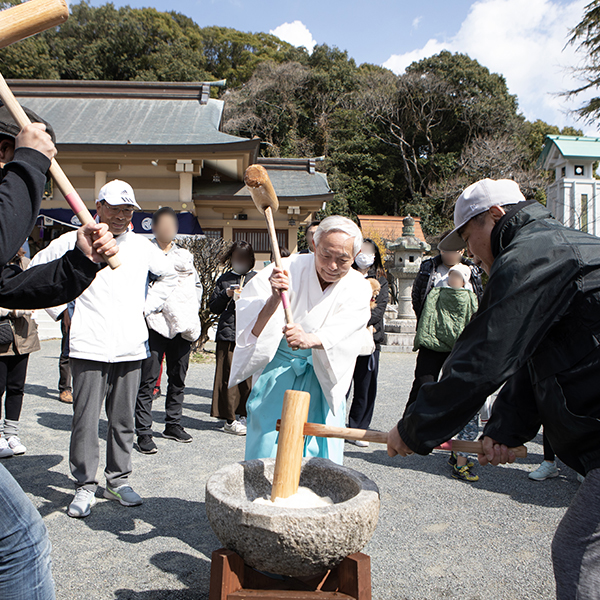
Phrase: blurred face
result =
(116, 217)
(367, 248)
(334, 256)
(477, 234)
(455, 280)
(451, 258)
(240, 262)
(309, 238)
(166, 229)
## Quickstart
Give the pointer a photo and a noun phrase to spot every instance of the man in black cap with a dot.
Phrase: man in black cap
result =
(24, 160)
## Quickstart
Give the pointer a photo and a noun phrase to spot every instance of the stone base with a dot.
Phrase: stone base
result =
(399, 335)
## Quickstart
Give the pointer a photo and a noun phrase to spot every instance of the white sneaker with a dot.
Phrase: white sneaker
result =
(359, 443)
(5, 449)
(15, 444)
(242, 420)
(235, 428)
(546, 470)
(81, 505)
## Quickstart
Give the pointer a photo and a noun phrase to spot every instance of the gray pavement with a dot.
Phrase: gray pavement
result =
(437, 538)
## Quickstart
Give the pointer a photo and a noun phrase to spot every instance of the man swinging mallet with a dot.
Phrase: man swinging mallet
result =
(538, 330)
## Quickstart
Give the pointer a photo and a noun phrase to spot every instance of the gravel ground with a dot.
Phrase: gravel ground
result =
(437, 538)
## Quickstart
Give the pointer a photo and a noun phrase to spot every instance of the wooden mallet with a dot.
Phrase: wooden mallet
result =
(380, 437)
(17, 23)
(290, 446)
(264, 197)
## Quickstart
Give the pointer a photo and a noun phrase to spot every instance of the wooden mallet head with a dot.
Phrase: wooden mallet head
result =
(27, 19)
(290, 447)
(261, 189)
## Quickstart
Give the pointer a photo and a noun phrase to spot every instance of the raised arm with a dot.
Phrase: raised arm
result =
(516, 311)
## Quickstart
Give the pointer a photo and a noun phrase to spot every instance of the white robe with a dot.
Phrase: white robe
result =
(336, 315)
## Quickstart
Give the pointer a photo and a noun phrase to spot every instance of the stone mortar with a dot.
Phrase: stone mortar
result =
(292, 541)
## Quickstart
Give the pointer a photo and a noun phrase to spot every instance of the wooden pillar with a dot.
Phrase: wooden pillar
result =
(185, 186)
(99, 181)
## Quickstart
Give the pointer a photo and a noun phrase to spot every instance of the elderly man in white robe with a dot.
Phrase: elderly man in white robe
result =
(317, 354)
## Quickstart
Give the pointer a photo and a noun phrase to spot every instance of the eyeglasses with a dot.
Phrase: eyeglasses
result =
(115, 210)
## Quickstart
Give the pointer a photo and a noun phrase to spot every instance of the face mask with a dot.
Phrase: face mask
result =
(364, 261)
(239, 268)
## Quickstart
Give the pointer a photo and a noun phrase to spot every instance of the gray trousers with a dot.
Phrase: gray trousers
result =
(576, 544)
(93, 382)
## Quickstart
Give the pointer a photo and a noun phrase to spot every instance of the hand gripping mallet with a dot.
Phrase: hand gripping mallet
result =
(264, 197)
(15, 24)
(380, 437)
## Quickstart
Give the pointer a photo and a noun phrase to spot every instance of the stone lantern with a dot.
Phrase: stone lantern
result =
(408, 253)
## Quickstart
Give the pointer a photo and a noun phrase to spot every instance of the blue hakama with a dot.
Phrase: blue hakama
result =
(290, 370)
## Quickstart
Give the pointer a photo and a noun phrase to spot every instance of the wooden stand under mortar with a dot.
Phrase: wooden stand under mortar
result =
(232, 579)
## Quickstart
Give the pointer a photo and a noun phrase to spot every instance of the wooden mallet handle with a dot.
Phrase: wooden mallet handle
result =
(27, 19)
(380, 437)
(264, 197)
(288, 462)
(61, 180)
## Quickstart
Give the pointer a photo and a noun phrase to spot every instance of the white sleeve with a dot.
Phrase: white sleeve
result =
(57, 248)
(165, 280)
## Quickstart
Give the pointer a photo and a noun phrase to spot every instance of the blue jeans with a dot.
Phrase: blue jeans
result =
(25, 569)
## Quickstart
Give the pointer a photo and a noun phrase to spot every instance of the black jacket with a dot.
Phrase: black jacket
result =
(221, 304)
(22, 184)
(538, 329)
(420, 287)
(381, 303)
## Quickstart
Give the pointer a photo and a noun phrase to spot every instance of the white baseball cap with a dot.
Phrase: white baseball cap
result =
(476, 199)
(118, 193)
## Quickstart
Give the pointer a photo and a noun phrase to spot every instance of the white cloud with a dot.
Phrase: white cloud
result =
(295, 33)
(525, 42)
(416, 21)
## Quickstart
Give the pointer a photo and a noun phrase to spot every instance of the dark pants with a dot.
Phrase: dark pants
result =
(365, 390)
(428, 369)
(227, 402)
(576, 544)
(64, 366)
(13, 371)
(548, 452)
(177, 352)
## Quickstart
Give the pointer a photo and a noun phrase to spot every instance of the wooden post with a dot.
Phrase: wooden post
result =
(355, 576)
(288, 463)
(226, 574)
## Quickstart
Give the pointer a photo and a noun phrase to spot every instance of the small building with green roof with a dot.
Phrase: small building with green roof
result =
(573, 195)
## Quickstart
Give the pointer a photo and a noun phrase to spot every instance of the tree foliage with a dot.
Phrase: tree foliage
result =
(392, 144)
(206, 252)
(586, 37)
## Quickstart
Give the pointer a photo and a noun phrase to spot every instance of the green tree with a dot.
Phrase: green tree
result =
(586, 38)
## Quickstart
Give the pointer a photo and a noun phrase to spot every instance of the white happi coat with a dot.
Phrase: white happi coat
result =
(336, 315)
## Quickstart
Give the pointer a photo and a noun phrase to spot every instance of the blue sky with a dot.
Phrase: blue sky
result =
(522, 39)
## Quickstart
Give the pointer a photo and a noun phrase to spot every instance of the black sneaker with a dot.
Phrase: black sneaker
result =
(177, 433)
(146, 444)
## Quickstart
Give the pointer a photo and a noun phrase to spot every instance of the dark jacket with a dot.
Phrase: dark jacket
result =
(221, 304)
(22, 184)
(538, 329)
(421, 286)
(377, 313)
